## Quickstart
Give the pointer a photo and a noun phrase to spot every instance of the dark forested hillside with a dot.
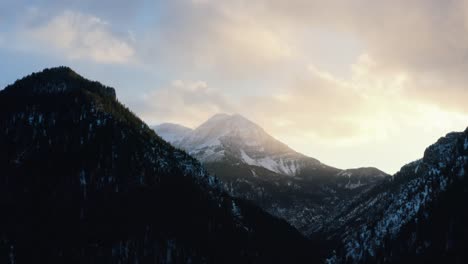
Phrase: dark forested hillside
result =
(83, 180)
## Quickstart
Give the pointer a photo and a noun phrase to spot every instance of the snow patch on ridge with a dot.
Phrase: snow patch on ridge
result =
(351, 186)
(278, 166)
(248, 159)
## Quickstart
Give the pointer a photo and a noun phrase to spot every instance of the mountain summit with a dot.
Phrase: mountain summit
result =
(58, 80)
(217, 129)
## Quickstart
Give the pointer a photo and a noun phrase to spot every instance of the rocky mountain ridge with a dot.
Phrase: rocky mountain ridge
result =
(419, 216)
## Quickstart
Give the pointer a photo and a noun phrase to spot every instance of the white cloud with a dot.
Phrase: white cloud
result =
(79, 36)
(426, 39)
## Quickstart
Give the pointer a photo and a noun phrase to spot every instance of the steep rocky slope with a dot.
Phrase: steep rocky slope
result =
(420, 216)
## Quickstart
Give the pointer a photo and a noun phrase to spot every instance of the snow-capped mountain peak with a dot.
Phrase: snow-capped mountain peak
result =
(235, 137)
(214, 130)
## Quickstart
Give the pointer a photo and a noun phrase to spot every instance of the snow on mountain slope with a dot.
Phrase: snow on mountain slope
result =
(172, 133)
(423, 208)
(220, 126)
(233, 136)
(355, 178)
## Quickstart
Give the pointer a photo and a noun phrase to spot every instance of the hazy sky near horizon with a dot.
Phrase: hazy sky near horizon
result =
(352, 83)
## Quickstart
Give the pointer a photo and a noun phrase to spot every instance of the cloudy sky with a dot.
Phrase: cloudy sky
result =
(352, 83)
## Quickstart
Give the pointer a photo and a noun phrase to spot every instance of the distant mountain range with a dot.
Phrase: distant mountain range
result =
(255, 166)
(84, 180)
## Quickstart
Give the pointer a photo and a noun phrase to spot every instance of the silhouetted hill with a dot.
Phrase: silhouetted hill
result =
(83, 180)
